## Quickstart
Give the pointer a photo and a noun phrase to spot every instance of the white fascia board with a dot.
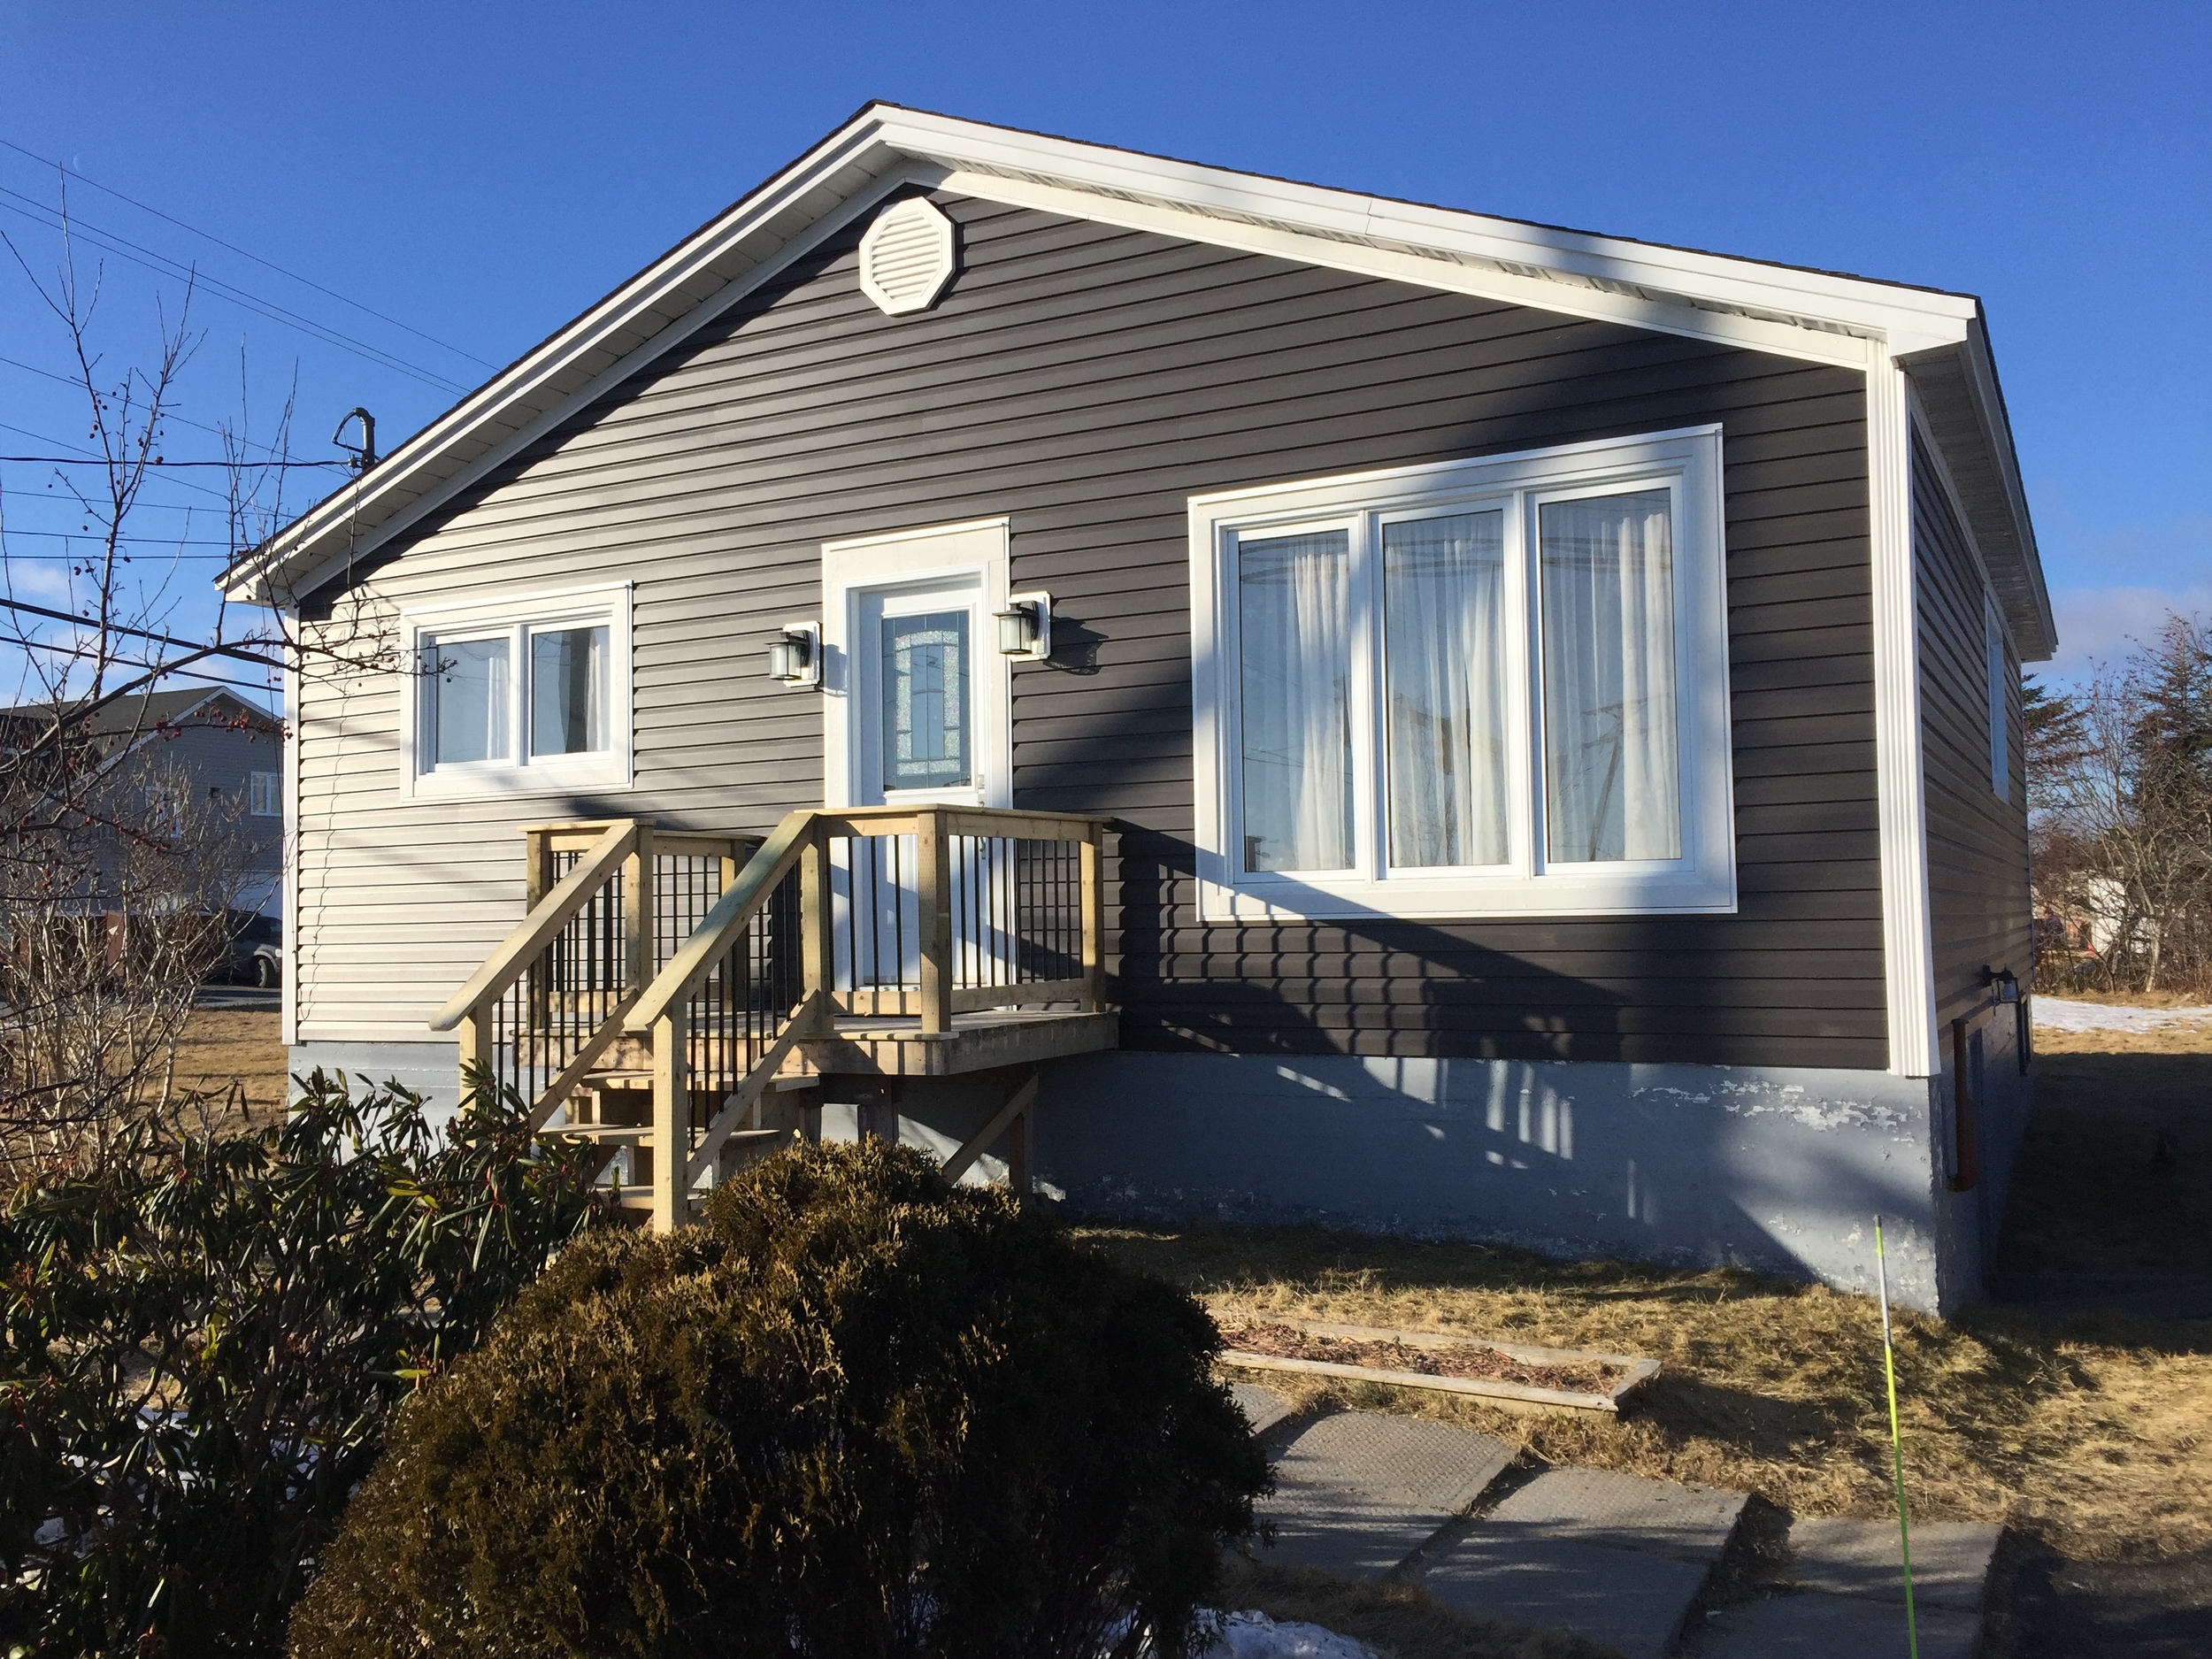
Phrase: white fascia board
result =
(1479, 282)
(1907, 319)
(1804, 314)
(792, 205)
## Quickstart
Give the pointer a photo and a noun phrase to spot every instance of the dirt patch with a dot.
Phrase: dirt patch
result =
(1469, 1361)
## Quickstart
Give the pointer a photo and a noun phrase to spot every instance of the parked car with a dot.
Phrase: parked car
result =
(255, 956)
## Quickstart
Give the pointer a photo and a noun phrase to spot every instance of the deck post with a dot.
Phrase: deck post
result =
(817, 943)
(933, 917)
(1093, 920)
(638, 966)
(474, 1038)
(672, 1118)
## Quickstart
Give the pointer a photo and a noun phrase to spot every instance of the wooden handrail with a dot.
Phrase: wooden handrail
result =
(688, 968)
(553, 912)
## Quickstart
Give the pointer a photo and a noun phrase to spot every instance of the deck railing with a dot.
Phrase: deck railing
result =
(708, 958)
(609, 904)
(897, 912)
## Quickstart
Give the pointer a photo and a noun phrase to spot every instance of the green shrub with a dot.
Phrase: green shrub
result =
(857, 1413)
(200, 1342)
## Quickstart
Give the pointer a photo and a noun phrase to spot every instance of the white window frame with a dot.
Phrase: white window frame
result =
(1685, 461)
(264, 794)
(515, 617)
(975, 551)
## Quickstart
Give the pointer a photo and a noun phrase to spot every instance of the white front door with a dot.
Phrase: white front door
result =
(917, 713)
(918, 703)
(916, 735)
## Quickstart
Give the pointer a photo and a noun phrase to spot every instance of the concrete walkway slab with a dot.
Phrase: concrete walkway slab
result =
(1357, 1492)
(1408, 1462)
(1596, 1506)
(1622, 1598)
(1950, 1560)
(1836, 1627)
(1263, 1407)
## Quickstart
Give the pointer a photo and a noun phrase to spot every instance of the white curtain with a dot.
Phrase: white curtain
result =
(1295, 628)
(467, 682)
(1443, 581)
(1611, 786)
(568, 691)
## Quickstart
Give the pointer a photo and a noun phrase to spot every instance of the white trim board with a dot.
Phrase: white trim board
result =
(1899, 763)
(1814, 316)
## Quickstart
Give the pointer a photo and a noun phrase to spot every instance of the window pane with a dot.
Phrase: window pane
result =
(1294, 624)
(1610, 786)
(568, 691)
(467, 680)
(926, 731)
(1443, 581)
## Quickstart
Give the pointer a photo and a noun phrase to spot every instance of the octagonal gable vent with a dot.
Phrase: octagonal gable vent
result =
(906, 257)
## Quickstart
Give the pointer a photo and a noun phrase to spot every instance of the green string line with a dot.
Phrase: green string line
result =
(1896, 1443)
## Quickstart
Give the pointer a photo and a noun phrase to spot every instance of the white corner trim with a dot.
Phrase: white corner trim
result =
(613, 768)
(1900, 782)
(289, 882)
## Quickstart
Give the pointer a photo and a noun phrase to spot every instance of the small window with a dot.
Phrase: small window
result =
(1484, 688)
(264, 794)
(1998, 675)
(521, 695)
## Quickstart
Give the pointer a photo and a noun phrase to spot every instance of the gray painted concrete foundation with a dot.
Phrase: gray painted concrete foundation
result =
(1781, 1169)
(1777, 1169)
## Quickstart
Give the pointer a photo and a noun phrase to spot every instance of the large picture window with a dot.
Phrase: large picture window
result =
(522, 695)
(1483, 687)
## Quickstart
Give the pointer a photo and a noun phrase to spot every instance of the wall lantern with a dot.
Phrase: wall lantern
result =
(1025, 627)
(796, 658)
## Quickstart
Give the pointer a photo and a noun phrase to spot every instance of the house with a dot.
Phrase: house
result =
(1262, 700)
(201, 753)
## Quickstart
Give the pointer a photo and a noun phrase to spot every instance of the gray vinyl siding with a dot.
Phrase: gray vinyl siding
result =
(1086, 380)
(1978, 844)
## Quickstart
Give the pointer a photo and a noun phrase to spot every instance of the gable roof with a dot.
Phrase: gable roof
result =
(1940, 339)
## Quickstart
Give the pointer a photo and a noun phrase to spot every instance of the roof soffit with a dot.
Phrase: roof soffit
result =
(1813, 315)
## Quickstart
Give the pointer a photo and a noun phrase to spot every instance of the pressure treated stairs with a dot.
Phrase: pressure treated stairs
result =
(675, 1000)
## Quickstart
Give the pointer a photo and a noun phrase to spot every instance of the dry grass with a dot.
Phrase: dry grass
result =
(1400, 1620)
(234, 1056)
(2112, 1172)
(2092, 1434)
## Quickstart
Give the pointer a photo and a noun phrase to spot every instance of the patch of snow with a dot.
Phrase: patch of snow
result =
(2052, 1013)
(1257, 1636)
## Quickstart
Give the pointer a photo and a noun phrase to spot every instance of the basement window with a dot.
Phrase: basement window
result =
(1490, 687)
(525, 695)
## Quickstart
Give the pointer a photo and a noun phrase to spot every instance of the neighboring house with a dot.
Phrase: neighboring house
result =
(1555, 696)
(226, 752)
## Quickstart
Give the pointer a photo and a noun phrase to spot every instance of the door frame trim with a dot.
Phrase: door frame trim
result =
(975, 548)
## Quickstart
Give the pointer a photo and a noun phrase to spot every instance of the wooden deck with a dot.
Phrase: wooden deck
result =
(895, 1046)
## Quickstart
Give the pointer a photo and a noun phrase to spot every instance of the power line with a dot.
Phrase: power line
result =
(123, 540)
(243, 254)
(94, 460)
(161, 265)
(166, 415)
(181, 483)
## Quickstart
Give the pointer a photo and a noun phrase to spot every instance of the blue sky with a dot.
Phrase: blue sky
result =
(481, 173)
